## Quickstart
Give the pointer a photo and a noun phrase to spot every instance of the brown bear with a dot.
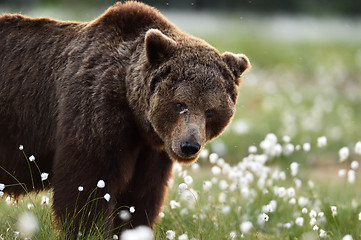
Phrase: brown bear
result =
(117, 99)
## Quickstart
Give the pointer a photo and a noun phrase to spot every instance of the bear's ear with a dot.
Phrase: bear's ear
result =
(158, 46)
(237, 63)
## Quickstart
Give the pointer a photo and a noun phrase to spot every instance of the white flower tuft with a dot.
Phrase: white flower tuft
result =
(125, 215)
(343, 153)
(44, 176)
(27, 224)
(32, 158)
(107, 197)
(321, 141)
(170, 234)
(132, 209)
(184, 236)
(358, 148)
(347, 237)
(246, 226)
(101, 184)
(138, 233)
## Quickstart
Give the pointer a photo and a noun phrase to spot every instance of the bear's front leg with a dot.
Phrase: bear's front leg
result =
(146, 191)
(85, 185)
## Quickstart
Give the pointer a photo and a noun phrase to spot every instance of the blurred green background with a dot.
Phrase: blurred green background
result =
(306, 57)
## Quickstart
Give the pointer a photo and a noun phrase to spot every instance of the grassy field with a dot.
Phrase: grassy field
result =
(278, 172)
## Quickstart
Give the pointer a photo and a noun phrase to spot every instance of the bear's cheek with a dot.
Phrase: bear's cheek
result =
(163, 120)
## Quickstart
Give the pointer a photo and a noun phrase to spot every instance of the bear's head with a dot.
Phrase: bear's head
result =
(192, 91)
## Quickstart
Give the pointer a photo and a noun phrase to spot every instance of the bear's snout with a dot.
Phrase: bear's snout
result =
(187, 141)
(190, 149)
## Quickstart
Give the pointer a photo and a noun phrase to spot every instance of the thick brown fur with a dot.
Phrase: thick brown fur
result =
(118, 98)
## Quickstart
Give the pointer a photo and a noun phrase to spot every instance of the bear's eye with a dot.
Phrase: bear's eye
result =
(209, 113)
(180, 107)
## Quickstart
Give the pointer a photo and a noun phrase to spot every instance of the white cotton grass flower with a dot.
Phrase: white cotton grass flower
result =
(313, 214)
(358, 148)
(322, 141)
(334, 210)
(115, 237)
(204, 154)
(32, 158)
(351, 176)
(304, 210)
(262, 218)
(80, 188)
(291, 192)
(288, 149)
(45, 200)
(354, 165)
(223, 185)
(286, 139)
(170, 234)
(359, 216)
(183, 186)
(347, 237)
(315, 228)
(302, 201)
(138, 233)
(21, 147)
(184, 236)
(207, 185)
(188, 180)
(30, 206)
(298, 182)
(2, 186)
(107, 197)
(342, 172)
(125, 215)
(195, 167)
(174, 204)
(299, 221)
(246, 226)
(233, 235)
(226, 209)
(216, 170)
(322, 233)
(101, 184)
(292, 201)
(287, 225)
(294, 168)
(27, 224)
(132, 209)
(313, 221)
(252, 149)
(190, 197)
(343, 153)
(213, 157)
(44, 176)
(222, 197)
(306, 147)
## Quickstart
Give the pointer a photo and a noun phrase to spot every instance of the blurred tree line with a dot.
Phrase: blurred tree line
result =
(313, 7)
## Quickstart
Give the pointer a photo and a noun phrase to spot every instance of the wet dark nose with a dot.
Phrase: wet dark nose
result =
(190, 148)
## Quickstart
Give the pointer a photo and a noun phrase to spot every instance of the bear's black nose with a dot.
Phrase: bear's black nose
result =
(190, 148)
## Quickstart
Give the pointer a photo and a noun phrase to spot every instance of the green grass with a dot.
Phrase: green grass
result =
(301, 89)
